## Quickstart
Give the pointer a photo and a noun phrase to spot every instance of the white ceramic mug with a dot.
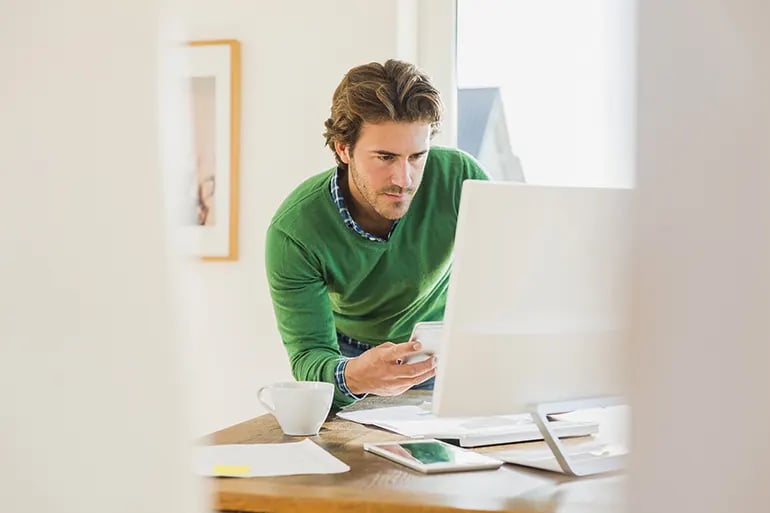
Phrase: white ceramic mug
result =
(299, 406)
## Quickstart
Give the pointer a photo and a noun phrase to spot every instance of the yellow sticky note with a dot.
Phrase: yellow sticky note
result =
(231, 470)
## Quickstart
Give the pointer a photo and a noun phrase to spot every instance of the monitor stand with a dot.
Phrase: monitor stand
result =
(571, 465)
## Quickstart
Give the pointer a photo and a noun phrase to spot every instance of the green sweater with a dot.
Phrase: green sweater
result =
(325, 278)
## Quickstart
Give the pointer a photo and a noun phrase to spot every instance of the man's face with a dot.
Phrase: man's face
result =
(385, 168)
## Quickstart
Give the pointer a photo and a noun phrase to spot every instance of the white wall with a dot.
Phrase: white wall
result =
(294, 54)
(702, 346)
(91, 406)
(437, 55)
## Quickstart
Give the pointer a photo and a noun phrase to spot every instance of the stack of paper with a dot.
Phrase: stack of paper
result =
(419, 422)
(253, 460)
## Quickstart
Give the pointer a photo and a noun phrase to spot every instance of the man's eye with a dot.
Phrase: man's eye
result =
(386, 158)
(417, 157)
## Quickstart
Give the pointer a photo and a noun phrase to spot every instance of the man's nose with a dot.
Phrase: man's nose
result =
(402, 175)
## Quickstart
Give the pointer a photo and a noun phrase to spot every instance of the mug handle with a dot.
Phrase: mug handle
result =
(269, 407)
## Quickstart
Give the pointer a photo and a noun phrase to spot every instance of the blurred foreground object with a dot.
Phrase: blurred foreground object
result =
(701, 349)
(91, 414)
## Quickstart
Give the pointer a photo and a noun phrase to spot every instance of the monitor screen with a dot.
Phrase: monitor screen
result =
(537, 301)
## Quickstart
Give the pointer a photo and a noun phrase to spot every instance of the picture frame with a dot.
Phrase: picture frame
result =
(213, 73)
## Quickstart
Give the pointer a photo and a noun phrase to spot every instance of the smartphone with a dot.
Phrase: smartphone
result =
(432, 456)
(429, 335)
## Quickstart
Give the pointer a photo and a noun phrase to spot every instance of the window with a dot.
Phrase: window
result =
(546, 89)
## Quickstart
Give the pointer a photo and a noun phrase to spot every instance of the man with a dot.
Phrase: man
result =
(358, 254)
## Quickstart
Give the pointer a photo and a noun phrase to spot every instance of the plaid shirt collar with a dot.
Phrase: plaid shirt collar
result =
(339, 202)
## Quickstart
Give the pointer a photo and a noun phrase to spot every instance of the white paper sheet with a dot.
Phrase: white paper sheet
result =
(256, 460)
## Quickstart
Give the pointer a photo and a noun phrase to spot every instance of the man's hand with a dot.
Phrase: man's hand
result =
(381, 370)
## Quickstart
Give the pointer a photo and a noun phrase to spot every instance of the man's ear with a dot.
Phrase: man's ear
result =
(343, 150)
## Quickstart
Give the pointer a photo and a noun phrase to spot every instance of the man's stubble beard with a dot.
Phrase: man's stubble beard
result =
(371, 197)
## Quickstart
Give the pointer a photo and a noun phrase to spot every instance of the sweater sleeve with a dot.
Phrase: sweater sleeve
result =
(303, 311)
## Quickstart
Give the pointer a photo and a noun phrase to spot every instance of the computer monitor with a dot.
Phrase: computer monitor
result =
(537, 300)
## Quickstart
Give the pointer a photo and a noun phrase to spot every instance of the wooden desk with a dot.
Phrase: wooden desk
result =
(377, 485)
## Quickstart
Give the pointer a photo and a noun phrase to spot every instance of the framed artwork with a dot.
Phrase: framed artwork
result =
(211, 178)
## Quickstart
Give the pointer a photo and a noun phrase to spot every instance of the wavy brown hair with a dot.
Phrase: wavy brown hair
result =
(374, 92)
